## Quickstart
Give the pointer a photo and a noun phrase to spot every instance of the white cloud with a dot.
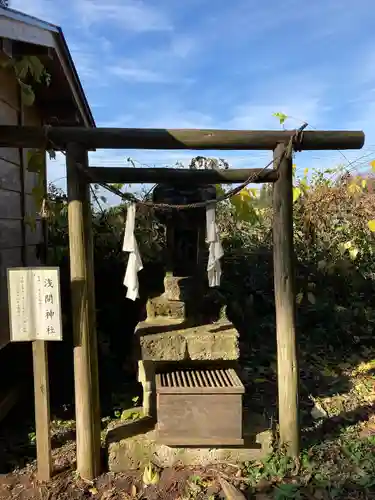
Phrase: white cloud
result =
(180, 119)
(182, 46)
(132, 15)
(131, 72)
(87, 60)
(46, 10)
(136, 72)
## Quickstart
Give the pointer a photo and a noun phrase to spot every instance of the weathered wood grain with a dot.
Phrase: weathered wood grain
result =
(135, 138)
(283, 256)
(10, 175)
(10, 204)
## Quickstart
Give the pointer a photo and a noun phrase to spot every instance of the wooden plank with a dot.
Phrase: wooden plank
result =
(42, 410)
(30, 178)
(9, 174)
(31, 208)
(34, 236)
(8, 87)
(21, 122)
(85, 376)
(132, 138)
(31, 256)
(8, 110)
(283, 256)
(11, 155)
(200, 419)
(15, 29)
(10, 205)
(30, 117)
(8, 115)
(92, 317)
(8, 258)
(6, 48)
(10, 233)
(156, 175)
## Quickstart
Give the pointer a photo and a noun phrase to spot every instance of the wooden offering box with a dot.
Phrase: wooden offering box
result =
(199, 407)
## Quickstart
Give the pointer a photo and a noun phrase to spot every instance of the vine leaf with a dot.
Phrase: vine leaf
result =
(35, 164)
(299, 297)
(281, 117)
(242, 203)
(219, 190)
(353, 252)
(115, 185)
(25, 68)
(28, 95)
(35, 160)
(38, 194)
(30, 65)
(296, 193)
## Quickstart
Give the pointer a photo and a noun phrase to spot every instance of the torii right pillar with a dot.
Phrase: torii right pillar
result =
(283, 257)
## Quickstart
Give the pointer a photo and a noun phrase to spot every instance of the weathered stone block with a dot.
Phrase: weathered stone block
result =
(179, 288)
(171, 342)
(160, 307)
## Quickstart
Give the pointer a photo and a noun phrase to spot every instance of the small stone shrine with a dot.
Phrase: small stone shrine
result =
(187, 353)
(186, 326)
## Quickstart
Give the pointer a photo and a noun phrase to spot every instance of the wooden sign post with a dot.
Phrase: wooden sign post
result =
(35, 315)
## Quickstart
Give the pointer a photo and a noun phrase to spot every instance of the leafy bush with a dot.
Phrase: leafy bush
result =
(334, 246)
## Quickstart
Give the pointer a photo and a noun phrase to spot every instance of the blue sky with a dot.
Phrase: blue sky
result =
(221, 64)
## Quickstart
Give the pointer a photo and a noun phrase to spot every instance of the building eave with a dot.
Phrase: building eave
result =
(48, 35)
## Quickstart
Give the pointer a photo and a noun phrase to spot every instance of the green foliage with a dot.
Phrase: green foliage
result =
(281, 117)
(334, 245)
(330, 469)
(28, 71)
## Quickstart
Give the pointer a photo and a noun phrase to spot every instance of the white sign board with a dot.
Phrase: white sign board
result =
(34, 304)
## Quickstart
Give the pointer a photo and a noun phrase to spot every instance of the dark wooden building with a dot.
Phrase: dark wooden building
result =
(61, 102)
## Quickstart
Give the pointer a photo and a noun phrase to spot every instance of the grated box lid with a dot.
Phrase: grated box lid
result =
(198, 381)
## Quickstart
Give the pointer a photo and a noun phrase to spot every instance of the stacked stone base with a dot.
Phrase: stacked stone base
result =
(134, 445)
(185, 327)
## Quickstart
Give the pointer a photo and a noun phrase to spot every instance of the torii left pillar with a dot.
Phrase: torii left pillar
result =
(86, 380)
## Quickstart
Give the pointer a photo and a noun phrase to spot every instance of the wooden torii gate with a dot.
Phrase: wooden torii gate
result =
(77, 142)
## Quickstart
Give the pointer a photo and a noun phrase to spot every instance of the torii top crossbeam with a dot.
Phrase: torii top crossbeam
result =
(136, 138)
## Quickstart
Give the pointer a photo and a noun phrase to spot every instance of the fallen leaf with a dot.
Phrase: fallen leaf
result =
(318, 411)
(230, 492)
(93, 491)
(133, 491)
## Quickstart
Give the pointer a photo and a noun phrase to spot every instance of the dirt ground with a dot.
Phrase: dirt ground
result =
(177, 483)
